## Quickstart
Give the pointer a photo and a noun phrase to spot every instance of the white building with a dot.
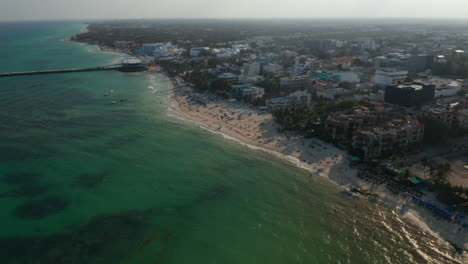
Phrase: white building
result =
(300, 98)
(368, 44)
(227, 67)
(251, 79)
(450, 89)
(228, 76)
(444, 87)
(298, 68)
(241, 46)
(347, 76)
(386, 76)
(440, 59)
(254, 92)
(152, 49)
(272, 68)
(277, 103)
(459, 52)
(167, 53)
(309, 64)
(296, 82)
(339, 43)
(198, 51)
(251, 69)
(289, 54)
(296, 99)
(248, 91)
(332, 94)
(225, 52)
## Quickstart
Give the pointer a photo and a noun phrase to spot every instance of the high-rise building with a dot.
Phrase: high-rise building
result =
(295, 82)
(251, 69)
(420, 63)
(386, 76)
(318, 44)
(409, 95)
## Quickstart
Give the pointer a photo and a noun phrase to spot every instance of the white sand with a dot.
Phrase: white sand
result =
(257, 130)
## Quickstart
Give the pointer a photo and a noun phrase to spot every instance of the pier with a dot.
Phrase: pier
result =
(131, 65)
(104, 68)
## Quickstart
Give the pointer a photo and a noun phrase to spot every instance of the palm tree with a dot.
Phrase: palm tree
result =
(440, 175)
(431, 171)
(424, 164)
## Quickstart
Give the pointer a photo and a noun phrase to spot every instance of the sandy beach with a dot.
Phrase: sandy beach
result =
(256, 129)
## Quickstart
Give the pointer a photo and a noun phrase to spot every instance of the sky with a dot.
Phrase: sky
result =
(124, 9)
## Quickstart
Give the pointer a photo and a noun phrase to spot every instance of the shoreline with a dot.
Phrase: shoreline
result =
(328, 162)
(334, 167)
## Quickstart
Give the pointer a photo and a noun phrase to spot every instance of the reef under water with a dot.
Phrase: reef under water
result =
(90, 180)
(25, 191)
(17, 178)
(40, 208)
(93, 242)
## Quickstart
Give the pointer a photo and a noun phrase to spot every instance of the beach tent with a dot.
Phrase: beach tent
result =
(415, 180)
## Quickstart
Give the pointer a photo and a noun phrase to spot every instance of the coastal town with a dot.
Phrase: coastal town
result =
(381, 110)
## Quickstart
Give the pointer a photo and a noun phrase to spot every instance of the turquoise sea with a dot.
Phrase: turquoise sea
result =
(86, 181)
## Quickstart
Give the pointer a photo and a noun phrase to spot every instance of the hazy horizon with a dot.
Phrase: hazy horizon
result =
(25, 10)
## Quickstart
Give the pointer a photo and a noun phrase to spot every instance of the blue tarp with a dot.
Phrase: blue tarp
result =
(433, 207)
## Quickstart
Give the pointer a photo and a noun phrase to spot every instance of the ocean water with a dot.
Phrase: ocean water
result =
(83, 180)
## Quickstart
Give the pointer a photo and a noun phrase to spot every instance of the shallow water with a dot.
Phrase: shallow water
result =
(86, 181)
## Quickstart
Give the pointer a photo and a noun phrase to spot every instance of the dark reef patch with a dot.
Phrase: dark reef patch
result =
(25, 191)
(17, 147)
(216, 192)
(37, 209)
(20, 178)
(11, 153)
(90, 180)
(105, 239)
(123, 140)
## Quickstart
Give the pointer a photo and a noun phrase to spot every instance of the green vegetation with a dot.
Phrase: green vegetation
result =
(271, 84)
(438, 174)
(324, 109)
(435, 128)
(446, 193)
(310, 122)
(456, 196)
(219, 86)
(201, 79)
(213, 61)
(301, 119)
(462, 93)
(456, 66)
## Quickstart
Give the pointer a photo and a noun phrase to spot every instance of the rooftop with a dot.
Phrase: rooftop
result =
(390, 71)
(132, 61)
(411, 86)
